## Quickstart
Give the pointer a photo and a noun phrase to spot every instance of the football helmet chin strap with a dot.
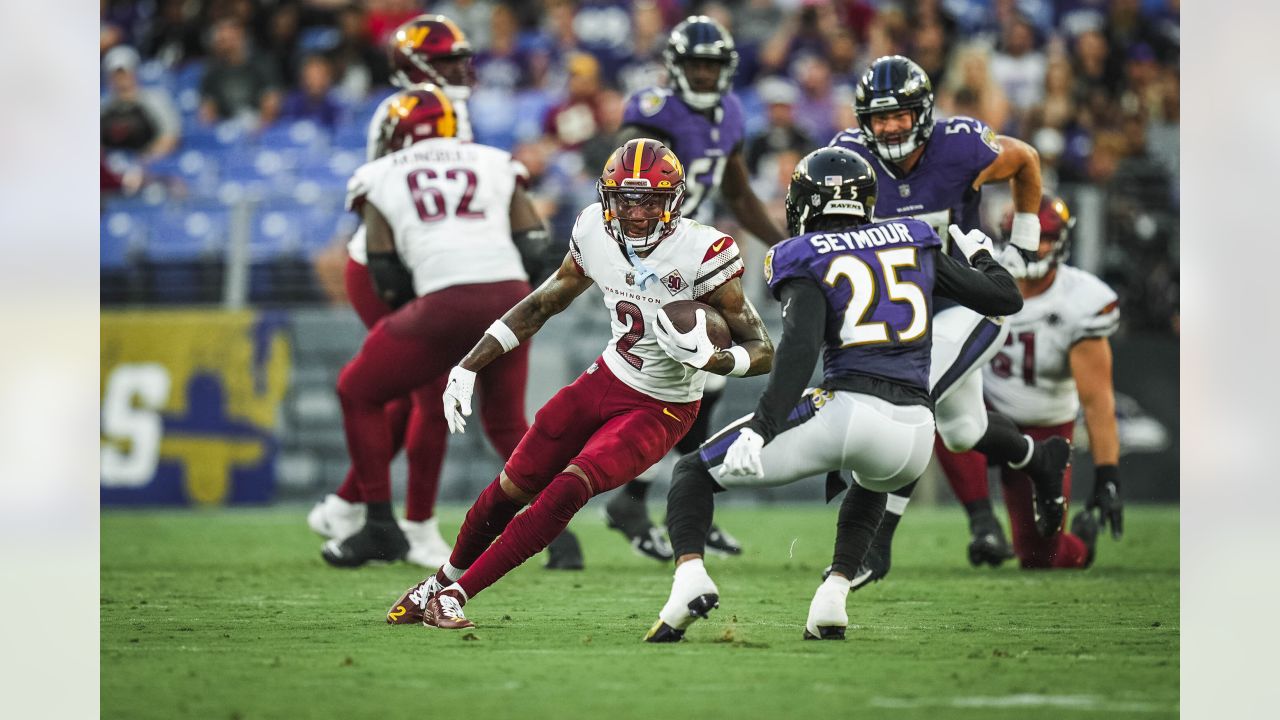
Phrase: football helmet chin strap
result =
(895, 153)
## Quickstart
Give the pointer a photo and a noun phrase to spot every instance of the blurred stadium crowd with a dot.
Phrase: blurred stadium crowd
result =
(246, 117)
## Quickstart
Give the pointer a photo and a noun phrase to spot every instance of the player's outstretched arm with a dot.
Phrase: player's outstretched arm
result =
(528, 316)
(746, 207)
(392, 281)
(1091, 367)
(804, 315)
(529, 233)
(747, 329)
(990, 291)
(1019, 163)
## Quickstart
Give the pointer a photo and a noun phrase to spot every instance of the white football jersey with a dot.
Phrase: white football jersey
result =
(690, 263)
(372, 146)
(1030, 379)
(448, 204)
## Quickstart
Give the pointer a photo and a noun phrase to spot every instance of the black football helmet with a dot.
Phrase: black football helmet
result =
(698, 36)
(830, 181)
(895, 83)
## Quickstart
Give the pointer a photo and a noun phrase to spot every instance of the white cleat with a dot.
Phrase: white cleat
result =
(827, 616)
(336, 518)
(427, 546)
(693, 596)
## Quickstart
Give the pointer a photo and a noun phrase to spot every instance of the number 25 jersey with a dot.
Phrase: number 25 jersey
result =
(690, 264)
(878, 281)
(448, 203)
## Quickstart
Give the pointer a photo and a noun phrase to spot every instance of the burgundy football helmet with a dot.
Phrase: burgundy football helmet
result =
(641, 190)
(430, 49)
(418, 113)
(1056, 222)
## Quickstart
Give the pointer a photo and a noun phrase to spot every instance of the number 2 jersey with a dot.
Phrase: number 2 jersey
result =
(448, 203)
(1030, 380)
(690, 264)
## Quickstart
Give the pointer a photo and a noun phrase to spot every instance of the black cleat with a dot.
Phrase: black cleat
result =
(1085, 526)
(722, 543)
(564, 553)
(699, 607)
(1049, 464)
(874, 567)
(988, 545)
(827, 632)
(377, 541)
(630, 517)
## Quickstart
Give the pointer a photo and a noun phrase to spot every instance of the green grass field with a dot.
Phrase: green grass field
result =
(232, 614)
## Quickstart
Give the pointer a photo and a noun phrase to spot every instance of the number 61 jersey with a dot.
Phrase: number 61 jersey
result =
(689, 264)
(878, 281)
(448, 203)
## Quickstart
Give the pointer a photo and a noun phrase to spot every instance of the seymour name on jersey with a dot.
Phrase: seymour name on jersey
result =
(878, 236)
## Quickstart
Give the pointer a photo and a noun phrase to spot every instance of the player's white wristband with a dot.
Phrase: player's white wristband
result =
(741, 361)
(1026, 232)
(503, 334)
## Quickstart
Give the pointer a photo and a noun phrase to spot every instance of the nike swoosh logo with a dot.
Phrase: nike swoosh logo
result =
(670, 414)
(716, 247)
(786, 305)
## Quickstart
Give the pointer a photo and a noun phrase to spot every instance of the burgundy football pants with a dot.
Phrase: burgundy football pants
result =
(411, 351)
(967, 473)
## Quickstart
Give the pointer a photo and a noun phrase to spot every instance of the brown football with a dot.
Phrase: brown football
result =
(682, 314)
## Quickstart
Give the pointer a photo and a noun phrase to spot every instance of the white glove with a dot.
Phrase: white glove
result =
(1025, 233)
(457, 398)
(692, 348)
(971, 242)
(743, 457)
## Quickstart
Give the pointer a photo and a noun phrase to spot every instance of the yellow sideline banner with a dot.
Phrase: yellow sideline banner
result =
(189, 405)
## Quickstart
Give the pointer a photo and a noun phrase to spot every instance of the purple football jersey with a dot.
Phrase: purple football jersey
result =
(702, 141)
(878, 280)
(939, 189)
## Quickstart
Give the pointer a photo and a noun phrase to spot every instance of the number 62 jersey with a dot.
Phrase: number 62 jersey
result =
(1030, 379)
(690, 264)
(448, 203)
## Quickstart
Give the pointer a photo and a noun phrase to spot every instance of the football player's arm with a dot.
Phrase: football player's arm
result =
(736, 190)
(392, 281)
(984, 287)
(804, 315)
(1019, 163)
(530, 235)
(528, 316)
(1090, 360)
(746, 328)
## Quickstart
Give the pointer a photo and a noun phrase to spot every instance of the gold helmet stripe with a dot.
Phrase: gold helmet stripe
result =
(635, 170)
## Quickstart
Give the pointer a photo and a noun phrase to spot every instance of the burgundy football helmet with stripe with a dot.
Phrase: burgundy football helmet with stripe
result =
(641, 190)
(1056, 222)
(419, 113)
(430, 49)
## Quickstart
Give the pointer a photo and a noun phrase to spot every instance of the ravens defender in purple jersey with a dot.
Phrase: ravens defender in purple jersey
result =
(934, 170)
(862, 293)
(702, 121)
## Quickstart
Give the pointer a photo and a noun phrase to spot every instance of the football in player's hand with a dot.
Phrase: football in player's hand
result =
(683, 315)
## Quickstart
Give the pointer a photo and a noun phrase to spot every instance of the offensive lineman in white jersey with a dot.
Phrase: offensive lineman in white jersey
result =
(426, 49)
(630, 407)
(1057, 359)
(450, 232)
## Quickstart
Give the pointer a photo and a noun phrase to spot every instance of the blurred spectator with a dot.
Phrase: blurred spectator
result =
(173, 35)
(281, 40)
(781, 134)
(497, 66)
(643, 66)
(1018, 68)
(610, 105)
(815, 110)
(578, 118)
(929, 50)
(471, 16)
(358, 63)
(1096, 70)
(143, 120)
(313, 100)
(384, 16)
(238, 84)
(970, 89)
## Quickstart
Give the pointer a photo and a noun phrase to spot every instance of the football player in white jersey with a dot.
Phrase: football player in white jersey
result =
(426, 49)
(1057, 359)
(449, 232)
(632, 405)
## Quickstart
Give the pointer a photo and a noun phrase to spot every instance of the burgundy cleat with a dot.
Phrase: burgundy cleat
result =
(411, 606)
(444, 611)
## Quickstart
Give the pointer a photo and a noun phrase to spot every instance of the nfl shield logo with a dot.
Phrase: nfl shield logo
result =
(674, 282)
(631, 278)
(904, 190)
